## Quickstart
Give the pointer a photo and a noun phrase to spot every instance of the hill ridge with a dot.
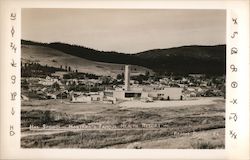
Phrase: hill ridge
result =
(178, 60)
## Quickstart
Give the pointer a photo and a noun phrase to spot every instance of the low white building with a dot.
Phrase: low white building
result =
(155, 91)
(81, 98)
(87, 97)
(96, 96)
(49, 81)
(24, 98)
(169, 93)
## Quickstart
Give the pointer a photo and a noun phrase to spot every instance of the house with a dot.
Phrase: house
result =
(49, 81)
(96, 96)
(24, 98)
(81, 98)
(59, 74)
(86, 97)
(58, 95)
(44, 89)
(196, 75)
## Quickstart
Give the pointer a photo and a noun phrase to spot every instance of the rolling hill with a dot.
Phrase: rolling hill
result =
(52, 57)
(187, 59)
(180, 60)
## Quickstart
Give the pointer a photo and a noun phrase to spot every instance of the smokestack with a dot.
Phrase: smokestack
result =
(127, 77)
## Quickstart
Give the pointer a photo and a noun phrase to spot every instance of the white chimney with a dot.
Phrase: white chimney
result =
(127, 77)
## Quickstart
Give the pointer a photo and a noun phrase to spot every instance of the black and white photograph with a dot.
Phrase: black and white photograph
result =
(123, 78)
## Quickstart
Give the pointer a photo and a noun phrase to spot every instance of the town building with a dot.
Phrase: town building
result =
(142, 92)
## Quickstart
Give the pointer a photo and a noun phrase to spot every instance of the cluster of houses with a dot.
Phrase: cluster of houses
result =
(55, 87)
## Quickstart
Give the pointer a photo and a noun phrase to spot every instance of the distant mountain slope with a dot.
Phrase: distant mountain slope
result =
(52, 57)
(188, 59)
(202, 52)
(179, 60)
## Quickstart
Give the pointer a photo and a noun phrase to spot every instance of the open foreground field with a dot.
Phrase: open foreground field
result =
(196, 124)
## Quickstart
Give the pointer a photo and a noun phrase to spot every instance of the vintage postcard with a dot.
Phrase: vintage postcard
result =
(118, 80)
(111, 78)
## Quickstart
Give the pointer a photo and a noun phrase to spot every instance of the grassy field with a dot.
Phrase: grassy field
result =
(199, 126)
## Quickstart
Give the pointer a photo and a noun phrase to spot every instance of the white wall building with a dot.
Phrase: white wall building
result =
(159, 92)
(168, 93)
(81, 98)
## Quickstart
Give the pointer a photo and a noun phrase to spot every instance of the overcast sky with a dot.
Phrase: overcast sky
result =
(125, 30)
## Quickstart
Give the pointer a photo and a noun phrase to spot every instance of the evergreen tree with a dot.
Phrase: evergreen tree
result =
(56, 86)
(119, 76)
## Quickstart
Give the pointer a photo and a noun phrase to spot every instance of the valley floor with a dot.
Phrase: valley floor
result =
(193, 124)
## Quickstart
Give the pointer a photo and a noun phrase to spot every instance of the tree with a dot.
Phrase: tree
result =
(56, 86)
(147, 73)
(73, 83)
(25, 84)
(119, 76)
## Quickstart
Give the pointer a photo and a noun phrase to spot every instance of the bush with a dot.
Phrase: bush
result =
(207, 145)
